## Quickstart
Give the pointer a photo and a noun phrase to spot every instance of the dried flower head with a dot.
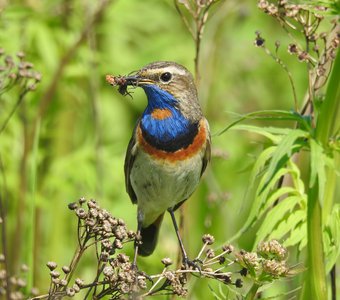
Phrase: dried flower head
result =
(272, 250)
(208, 239)
(166, 261)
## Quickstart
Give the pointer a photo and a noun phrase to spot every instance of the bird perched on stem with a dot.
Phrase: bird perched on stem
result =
(169, 149)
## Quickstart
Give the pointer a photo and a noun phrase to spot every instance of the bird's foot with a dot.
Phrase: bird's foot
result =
(137, 272)
(192, 264)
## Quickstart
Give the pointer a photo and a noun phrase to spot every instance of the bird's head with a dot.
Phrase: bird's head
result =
(168, 84)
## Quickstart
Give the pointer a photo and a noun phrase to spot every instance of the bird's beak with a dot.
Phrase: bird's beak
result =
(139, 79)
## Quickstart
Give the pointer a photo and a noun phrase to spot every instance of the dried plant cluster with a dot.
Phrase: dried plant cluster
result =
(309, 43)
(14, 286)
(16, 72)
(195, 16)
(115, 277)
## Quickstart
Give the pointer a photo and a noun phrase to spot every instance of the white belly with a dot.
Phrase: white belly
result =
(160, 185)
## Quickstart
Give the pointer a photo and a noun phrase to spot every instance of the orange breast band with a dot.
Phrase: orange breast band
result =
(161, 114)
(182, 154)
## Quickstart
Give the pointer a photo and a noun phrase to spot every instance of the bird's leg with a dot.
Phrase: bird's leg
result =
(185, 259)
(137, 242)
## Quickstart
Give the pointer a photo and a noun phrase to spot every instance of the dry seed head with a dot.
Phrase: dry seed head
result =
(108, 271)
(251, 260)
(66, 269)
(70, 292)
(166, 261)
(82, 200)
(131, 234)
(121, 222)
(208, 239)
(81, 213)
(121, 257)
(93, 212)
(210, 253)
(54, 274)
(90, 222)
(118, 244)
(125, 288)
(79, 282)
(228, 248)
(272, 249)
(238, 283)
(51, 265)
(259, 41)
(92, 204)
(76, 288)
(275, 268)
(221, 260)
(63, 282)
(72, 206)
(104, 256)
(142, 283)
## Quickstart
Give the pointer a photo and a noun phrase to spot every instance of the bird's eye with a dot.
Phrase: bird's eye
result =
(165, 77)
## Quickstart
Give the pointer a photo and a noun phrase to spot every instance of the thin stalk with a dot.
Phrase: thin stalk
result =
(3, 216)
(30, 238)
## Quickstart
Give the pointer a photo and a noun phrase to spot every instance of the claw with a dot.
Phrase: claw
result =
(194, 264)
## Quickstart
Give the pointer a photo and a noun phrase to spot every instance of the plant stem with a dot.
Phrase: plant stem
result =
(316, 275)
(330, 109)
(252, 292)
(316, 287)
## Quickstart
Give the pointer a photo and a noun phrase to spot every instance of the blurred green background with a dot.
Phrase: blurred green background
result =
(82, 125)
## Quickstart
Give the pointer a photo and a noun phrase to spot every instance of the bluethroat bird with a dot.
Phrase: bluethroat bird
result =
(169, 149)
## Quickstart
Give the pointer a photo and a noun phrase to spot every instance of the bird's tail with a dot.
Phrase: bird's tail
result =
(149, 237)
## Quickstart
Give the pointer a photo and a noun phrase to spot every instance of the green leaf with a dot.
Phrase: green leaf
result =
(297, 236)
(332, 238)
(287, 146)
(261, 162)
(272, 115)
(288, 223)
(275, 134)
(265, 188)
(274, 216)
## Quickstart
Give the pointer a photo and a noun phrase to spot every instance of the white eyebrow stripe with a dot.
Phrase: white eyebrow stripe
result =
(171, 69)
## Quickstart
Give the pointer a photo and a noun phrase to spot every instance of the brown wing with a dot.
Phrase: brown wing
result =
(129, 159)
(207, 154)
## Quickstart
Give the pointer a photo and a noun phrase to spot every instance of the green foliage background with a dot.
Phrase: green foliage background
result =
(83, 133)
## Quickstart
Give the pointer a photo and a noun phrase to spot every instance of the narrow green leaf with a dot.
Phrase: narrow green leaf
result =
(284, 150)
(297, 234)
(265, 188)
(286, 225)
(278, 193)
(272, 133)
(332, 238)
(272, 115)
(274, 216)
(261, 163)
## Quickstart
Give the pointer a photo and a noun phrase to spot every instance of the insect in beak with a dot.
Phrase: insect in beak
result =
(123, 82)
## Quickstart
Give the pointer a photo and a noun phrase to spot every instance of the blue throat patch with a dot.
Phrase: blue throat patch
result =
(171, 133)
